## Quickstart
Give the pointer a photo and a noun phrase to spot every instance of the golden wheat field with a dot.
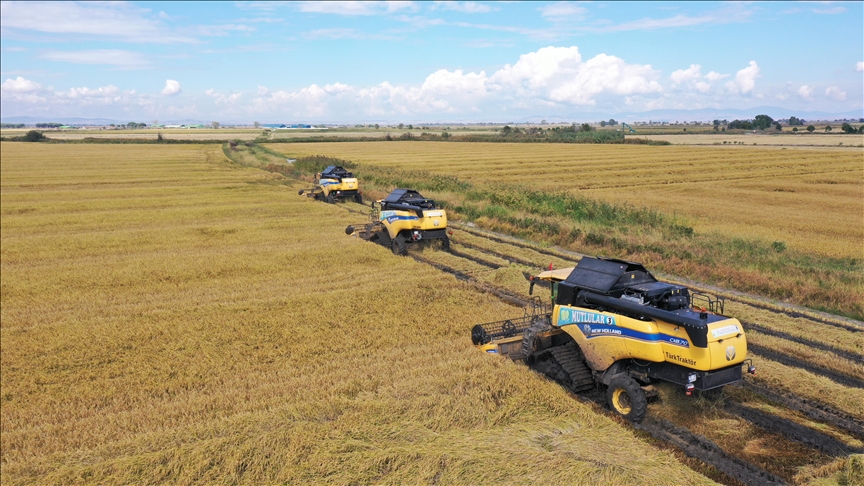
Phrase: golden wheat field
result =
(169, 317)
(811, 200)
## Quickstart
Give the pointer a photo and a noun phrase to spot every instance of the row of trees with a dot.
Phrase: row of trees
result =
(761, 122)
(125, 125)
(847, 128)
(574, 128)
(764, 122)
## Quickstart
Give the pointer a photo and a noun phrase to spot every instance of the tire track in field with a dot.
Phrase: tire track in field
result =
(503, 294)
(851, 356)
(573, 257)
(511, 259)
(811, 408)
(659, 184)
(792, 430)
(691, 444)
(782, 358)
(700, 447)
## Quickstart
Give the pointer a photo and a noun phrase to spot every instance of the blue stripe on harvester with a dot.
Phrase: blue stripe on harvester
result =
(395, 218)
(593, 325)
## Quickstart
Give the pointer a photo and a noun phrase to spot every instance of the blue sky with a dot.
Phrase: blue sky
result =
(425, 61)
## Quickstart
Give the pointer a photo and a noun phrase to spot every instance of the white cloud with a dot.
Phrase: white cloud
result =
(20, 85)
(230, 99)
(112, 19)
(732, 13)
(399, 5)
(109, 91)
(223, 29)
(485, 43)
(342, 33)
(835, 93)
(266, 20)
(715, 76)
(336, 88)
(559, 75)
(829, 11)
(693, 80)
(745, 79)
(548, 78)
(464, 7)
(682, 76)
(444, 83)
(560, 10)
(859, 67)
(351, 8)
(23, 92)
(180, 111)
(171, 88)
(551, 81)
(120, 58)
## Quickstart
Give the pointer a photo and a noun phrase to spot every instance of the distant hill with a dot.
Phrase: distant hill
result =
(32, 120)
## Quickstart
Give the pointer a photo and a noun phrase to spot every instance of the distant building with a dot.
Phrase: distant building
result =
(295, 126)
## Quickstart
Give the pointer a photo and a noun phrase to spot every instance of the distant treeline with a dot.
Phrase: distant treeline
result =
(11, 125)
(507, 134)
(572, 134)
(37, 136)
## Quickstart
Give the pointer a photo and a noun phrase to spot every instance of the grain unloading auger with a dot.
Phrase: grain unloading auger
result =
(613, 325)
(334, 183)
(404, 218)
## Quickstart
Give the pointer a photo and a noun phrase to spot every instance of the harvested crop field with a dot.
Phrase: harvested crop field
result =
(149, 134)
(168, 316)
(839, 141)
(810, 200)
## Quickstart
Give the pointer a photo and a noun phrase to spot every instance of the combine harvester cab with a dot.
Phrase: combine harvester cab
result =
(404, 218)
(334, 184)
(613, 324)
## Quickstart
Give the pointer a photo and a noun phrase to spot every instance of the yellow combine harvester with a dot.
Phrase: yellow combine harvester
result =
(334, 183)
(404, 218)
(612, 324)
